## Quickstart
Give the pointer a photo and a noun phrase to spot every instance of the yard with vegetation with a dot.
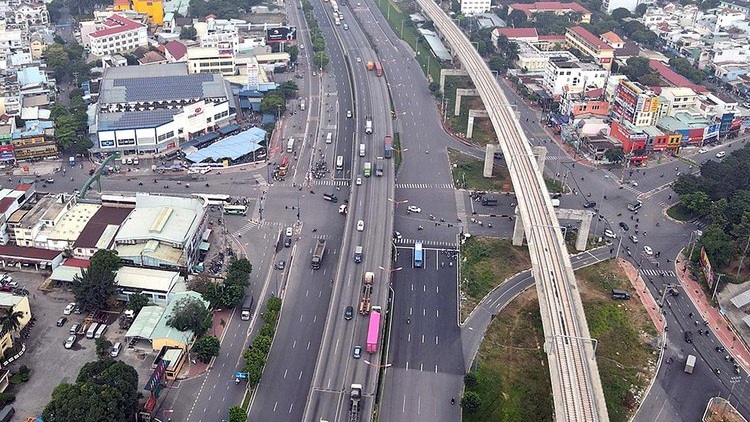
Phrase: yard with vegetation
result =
(468, 174)
(511, 377)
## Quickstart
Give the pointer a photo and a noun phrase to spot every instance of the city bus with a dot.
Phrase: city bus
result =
(339, 163)
(290, 145)
(373, 330)
(214, 199)
(235, 209)
(204, 168)
(418, 255)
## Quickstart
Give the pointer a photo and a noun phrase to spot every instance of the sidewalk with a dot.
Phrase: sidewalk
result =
(719, 325)
(648, 301)
(194, 367)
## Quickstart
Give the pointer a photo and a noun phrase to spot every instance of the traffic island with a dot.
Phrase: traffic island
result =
(510, 373)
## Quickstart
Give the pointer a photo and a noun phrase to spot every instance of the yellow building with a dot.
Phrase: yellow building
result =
(17, 304)
(122, 5)
(153, 8)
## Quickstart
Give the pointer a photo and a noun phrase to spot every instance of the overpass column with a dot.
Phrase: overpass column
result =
(460, 93)
(450, 72)
(470, 124)
(541, 155)
(517, 230)
(583, 231)
(489, 160)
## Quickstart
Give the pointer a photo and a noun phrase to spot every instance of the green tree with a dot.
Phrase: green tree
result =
(273, 304)
(614, 155)
(637, 67)
(10, 320)
(499, 64)
(620, 14)
(470, 380)
(288, 89)
(516, 19)
(263, 343)
(651, 79)
(188, 33)
(254, 362)
(95, 288)
(686, 69)
(718, 245)
(641, 9)
(206, 347)
(190, 314)
(697, 202)
(237, 414)
(200, 283)
(321, 60)
(103, 347)
(293, 53)
(272, 104)
(136, 302)
(471, 402)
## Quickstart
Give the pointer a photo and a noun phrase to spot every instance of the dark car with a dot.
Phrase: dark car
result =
(624, 226)
(689, 336)
(281, 265)
(287, 242)
(589, 204)
(61, 321)
(348, 313)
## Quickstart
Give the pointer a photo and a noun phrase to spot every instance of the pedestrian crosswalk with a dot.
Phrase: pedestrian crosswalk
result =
(251, 224)
(424, 186)
(323, 237)
(426, 243)
(654, 273)
(329, 182)
(701, 224)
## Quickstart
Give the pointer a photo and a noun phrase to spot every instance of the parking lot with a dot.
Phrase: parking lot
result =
(50, 363)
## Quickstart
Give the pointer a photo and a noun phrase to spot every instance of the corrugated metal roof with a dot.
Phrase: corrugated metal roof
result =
(232, 147)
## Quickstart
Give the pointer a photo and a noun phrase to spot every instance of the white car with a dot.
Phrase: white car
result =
(648, 250)
(349, 114)
(414, 208)
(634, 183)
(359, 60)
(703, 150)
(360, 225)
(610, 234)
(721, 154)
(69, 308)
(634, 238)
(359, 180)
(289, 232)
(70, 342)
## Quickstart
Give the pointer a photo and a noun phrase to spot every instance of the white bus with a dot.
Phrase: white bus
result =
(92, 330)
(214, 199)
(235, 209)
(340, 163)
(290, 145)
(203, 168)
(329, 138)
(100, 331)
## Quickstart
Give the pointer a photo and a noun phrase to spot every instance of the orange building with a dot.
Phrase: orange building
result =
(154, 9)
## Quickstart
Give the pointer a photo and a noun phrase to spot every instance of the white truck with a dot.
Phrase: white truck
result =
(690, 364)
(368, 125)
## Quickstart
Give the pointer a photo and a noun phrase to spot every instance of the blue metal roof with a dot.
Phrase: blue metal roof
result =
(232, 147)
(199, 141)
(136, 119)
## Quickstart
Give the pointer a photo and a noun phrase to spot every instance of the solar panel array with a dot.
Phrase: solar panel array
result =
(166, 88)
(135, 119)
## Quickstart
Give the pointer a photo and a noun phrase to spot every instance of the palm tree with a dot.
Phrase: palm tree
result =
(10, 320)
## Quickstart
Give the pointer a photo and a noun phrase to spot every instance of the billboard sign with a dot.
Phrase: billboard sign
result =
(708, 272)
(281, 34)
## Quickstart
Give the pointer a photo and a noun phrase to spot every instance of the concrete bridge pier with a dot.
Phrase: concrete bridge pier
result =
(472, 115)
(460, 93)
(450, 72)
(489, 159)
(584, 216)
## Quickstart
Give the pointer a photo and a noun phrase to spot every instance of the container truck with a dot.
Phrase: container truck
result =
(370, 65)
(317, 258)
(373, 330)
(388, 147)
(247, 308)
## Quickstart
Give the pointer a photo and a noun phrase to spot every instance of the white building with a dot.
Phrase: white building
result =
(676, 99)
(573, 77)
(117, 34)
(532, 60)
(151, 108)
(211, 60)
(473, 7)
(609, 5)
(31, 14)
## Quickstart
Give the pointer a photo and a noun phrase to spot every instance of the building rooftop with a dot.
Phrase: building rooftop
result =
(548, 6)
(176, 49)
(136, 119)
(673, 77)
(166, 219)
(37, 212)
(13, 251)
(590, 38)
(146, 279)
(232, 147)
(151, 322)
(116, 24)
(512, 33)
(73, 222)
(8, 300)
(104, 217)
(34, 128)
(611, 38)
(159, 82)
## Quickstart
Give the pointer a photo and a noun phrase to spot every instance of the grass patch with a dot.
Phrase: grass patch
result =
(680, 213)
(397, 151)
(512, 365)
(467, 173)
(487, 262)
(484, 133)
(554, 185)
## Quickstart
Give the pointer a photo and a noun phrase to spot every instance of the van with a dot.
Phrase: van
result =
(489, 201)
(340, 163)
(100, 331)
(329, 138)
(92, 330)
(361, 150)
(115, 349)
(330, 197)
(635, 206)
(290, 145)
(618, 294)
(556, 203)
(358, 254)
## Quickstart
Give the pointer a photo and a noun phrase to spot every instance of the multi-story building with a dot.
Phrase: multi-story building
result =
(533, 60)
(47, 212)
(590, 45)
(11, 200)
(573, 77)
(14, 303)
(609, 5)
(674, 100)
(117, 34)
(162, 232)
(154, 9)
(211, 60)
(473, 7)
(151, 108)
(7, 127)
(556, 7)
(738, 5)
(36, 140)
(31, 14)
(635, 104)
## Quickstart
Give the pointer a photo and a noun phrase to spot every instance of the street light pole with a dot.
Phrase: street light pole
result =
(716, 286)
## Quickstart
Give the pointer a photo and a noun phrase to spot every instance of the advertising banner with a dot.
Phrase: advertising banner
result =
(281, 34)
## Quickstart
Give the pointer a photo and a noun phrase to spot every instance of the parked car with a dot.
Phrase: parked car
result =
(414, 208)
(61, 321)
(703, 150)
(68, 309)
(589, 204)
(115, 349)
(70, 342)
(289, 232)
(74, 328)
(610, 234)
